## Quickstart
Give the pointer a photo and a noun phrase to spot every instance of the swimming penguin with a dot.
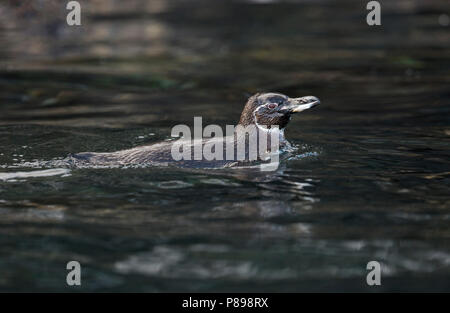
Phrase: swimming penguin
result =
(263, 113)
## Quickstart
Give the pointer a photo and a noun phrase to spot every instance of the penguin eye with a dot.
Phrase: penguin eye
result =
(272, 105)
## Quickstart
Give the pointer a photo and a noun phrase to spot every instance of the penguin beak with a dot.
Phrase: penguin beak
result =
(304, 103)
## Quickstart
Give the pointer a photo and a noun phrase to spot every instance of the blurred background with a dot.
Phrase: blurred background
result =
(369, 181)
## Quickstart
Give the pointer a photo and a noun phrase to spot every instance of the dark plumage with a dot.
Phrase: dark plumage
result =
(261, 110)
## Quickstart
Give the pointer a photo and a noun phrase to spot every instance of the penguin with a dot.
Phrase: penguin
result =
(264, 115)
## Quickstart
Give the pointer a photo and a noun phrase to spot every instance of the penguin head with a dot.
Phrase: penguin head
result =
(274, 109)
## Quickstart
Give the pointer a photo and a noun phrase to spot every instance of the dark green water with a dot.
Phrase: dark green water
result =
(370, 181)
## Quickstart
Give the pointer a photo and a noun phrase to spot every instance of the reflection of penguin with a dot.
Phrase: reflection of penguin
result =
(262, 111)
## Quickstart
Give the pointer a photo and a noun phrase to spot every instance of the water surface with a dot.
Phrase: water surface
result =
(370, 180)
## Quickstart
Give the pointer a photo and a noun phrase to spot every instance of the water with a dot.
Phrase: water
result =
(369, 181)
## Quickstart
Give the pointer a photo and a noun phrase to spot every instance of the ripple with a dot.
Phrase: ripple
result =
(172, 262)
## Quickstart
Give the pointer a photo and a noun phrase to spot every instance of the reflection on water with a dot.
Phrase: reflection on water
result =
(369, 180)
(44, 173)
